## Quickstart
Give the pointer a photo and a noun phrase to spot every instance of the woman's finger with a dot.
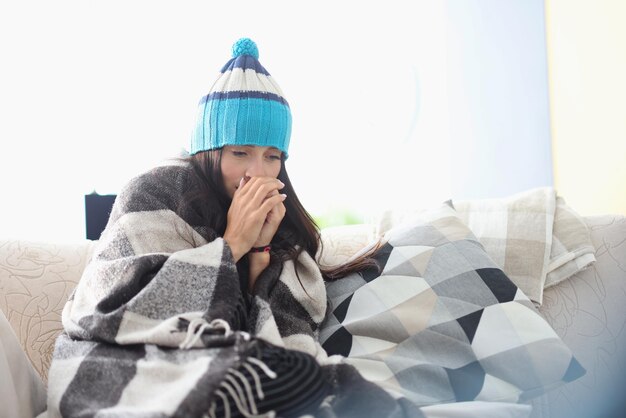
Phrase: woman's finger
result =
(271, 224)
(251, 186)
(272, 193)
(242, 182)
(259, 188)
(270, 202)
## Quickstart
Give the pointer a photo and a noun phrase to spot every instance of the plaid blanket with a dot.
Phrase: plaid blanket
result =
(535, 237)
(572, 249)
(160, 324)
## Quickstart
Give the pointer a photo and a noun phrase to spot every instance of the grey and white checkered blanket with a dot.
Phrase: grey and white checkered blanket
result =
(159, 325)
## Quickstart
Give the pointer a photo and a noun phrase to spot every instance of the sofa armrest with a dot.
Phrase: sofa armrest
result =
(22, 392)
(587, 312)
(36, 278)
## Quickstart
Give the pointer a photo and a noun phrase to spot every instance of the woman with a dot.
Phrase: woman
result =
(203, 297)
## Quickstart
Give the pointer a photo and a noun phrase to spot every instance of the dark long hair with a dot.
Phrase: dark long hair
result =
(297, 232)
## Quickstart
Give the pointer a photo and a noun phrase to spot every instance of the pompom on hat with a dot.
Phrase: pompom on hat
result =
(245, 106)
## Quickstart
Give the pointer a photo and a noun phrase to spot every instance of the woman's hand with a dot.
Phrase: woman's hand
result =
(254, 214)
(271, 224)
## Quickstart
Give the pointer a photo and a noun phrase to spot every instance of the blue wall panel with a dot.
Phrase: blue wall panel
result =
(497, 85)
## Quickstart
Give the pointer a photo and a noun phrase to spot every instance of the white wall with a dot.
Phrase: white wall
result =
(94, 92)
(587, 64)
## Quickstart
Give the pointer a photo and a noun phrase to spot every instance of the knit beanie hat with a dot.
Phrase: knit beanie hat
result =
(245, 106)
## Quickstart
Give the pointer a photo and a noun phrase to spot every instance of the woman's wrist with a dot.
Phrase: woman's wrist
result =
(258, 262)
(261, 256)
(235, 249)
(260, 249)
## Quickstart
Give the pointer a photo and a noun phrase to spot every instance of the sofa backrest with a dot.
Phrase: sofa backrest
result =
(36, 279)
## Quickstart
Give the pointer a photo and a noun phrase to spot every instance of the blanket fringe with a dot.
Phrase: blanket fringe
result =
(242, 396)
(196, 328)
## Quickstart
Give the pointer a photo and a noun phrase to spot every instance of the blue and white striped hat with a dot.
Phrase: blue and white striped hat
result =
(245, 106)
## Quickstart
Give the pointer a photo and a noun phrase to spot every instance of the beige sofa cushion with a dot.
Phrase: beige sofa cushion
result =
(340, 243)
(35, 281)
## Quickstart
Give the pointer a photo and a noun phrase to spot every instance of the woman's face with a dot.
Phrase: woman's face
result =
(248, 161)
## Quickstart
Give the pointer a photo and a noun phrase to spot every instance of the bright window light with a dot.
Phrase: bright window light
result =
(96, 92)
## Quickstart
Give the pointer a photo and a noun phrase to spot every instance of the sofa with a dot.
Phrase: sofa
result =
(586, 309)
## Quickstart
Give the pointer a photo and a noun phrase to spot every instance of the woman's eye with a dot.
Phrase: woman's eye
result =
(239, 153)
(274, 157)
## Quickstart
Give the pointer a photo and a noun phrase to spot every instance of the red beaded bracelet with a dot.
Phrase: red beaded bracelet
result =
(265, 249)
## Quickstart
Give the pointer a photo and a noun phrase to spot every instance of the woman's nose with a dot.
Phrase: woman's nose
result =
(256, 168)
